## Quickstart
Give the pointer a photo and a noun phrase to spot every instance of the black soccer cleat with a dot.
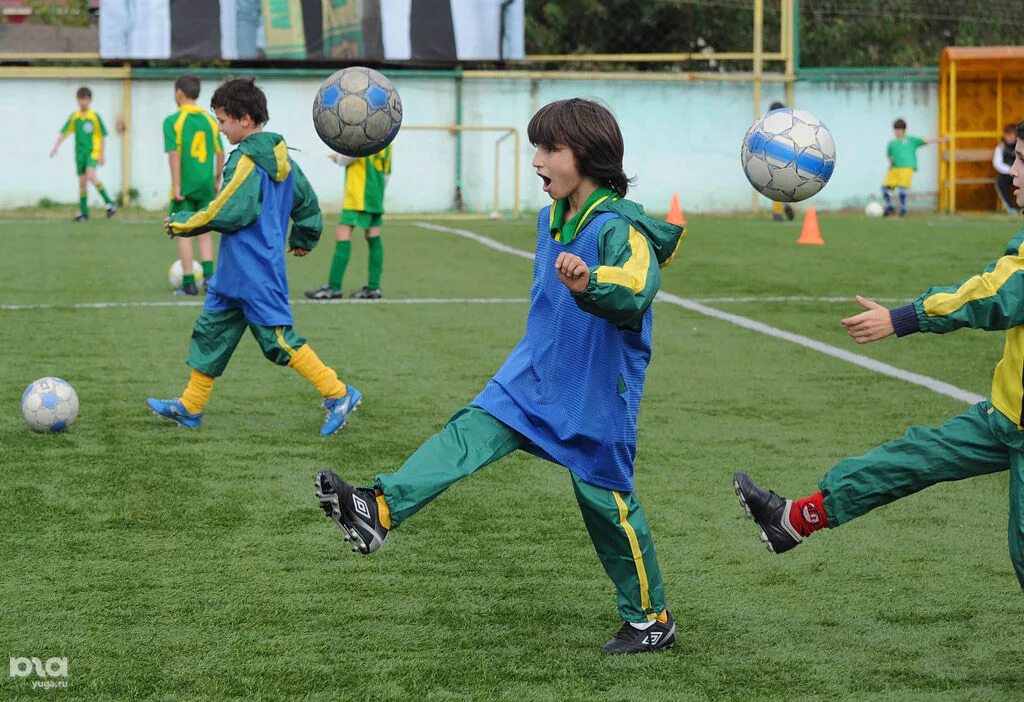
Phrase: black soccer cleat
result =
(769, 511)
(629, 639)
(354, 510)
(324, 292)
(790, 214)
(366, 293)
(81, 218)
(111, 210)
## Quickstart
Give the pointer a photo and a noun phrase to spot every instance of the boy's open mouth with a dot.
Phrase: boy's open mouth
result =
(546, 180)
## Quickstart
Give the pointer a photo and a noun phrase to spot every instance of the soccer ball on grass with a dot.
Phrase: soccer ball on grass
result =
(357, 111)
(874, 209)
(788, 155)
(175, 275)
(49, 405)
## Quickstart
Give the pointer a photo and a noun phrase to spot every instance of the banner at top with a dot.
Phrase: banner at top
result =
(376, 30)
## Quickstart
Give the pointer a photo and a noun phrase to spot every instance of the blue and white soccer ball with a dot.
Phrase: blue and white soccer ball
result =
(49, 405)
(357, 111)
(788, 155)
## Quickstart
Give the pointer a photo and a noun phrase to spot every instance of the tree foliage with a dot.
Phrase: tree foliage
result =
(832, 32)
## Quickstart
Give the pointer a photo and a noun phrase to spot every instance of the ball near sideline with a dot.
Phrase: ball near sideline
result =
(874, 209)
(357, 111)
(49, 405)
(788, 155)
(175, 274)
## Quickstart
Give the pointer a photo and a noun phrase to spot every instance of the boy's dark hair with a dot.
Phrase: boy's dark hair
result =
(239, 97)
(84, 92)
(1020, 130)
(1011, 127)
(899, 124)
(775, 106)
(591, 133)
(189, 85)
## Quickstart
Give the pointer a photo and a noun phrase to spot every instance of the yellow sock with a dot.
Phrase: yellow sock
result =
(197, 394)
(383, 511)
(776, 207)
(307, 364)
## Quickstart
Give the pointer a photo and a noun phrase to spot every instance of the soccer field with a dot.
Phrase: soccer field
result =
(173, 564)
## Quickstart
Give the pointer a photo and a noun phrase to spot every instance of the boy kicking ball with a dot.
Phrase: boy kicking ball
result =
(570, 390)
(987, 438)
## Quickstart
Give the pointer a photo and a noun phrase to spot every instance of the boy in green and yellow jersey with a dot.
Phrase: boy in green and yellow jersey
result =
(195, 154)
(988, 438)
(902, 155)
(89, 132)
(363, 207)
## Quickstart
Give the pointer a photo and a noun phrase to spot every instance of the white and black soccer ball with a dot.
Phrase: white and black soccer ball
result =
(49, 405)
(175, 274)
(874, 209)
(357, 111)
(788, 155)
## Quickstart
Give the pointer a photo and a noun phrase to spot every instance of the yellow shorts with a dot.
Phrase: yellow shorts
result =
(898, 178)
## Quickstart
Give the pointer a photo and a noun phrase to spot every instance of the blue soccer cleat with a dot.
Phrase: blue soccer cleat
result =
(339, 409)
(173, 409)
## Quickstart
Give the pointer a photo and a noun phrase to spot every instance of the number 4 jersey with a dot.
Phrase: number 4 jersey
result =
(192, 132)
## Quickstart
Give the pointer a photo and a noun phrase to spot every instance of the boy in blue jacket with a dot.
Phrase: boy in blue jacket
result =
(263, 190)
(570, 390)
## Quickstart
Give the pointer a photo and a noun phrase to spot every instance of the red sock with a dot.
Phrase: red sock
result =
(808, 515)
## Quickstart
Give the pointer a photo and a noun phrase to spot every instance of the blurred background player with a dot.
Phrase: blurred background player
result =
(902, 154)
(363, 208)
(264, 189)
(195, 155)
(780, 209)
(89, 132)
(1002, 159)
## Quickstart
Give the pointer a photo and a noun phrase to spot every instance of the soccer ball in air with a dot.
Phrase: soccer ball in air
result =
(49, 404)
(176, 274)
(788, 155)
(874, 209)
(357, 111)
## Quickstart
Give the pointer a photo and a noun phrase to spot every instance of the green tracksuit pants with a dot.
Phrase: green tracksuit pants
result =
(472, 439)
(217, 333)
(979, 441)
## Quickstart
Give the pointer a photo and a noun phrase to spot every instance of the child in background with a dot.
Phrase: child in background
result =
(363, 208)
(90, 133)
(902, 155)
(263, 189)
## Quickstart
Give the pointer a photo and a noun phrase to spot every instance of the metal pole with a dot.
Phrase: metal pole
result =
(788, 30)
(755, 200)
(952, 136)
(126, 141)
(458, 203)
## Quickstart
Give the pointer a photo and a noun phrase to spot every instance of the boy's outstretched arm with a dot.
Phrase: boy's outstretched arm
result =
(237, 205)
(623, 286)
(307, 222)
(991, 300)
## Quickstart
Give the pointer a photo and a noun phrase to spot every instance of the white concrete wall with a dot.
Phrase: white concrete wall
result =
(680, 138)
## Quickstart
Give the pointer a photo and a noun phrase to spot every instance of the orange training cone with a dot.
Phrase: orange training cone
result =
(811, 233)
(675, 212)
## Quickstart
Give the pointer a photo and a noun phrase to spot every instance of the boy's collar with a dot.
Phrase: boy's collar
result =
(558, 224)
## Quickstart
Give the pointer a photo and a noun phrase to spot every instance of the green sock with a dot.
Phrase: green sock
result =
(188, 279)
(83, 205)
(376, 245)
(103, 194)
(342, 252)
(207, 269)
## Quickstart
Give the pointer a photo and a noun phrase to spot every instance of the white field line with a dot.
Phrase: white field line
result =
(198, 303)
(932, 384)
